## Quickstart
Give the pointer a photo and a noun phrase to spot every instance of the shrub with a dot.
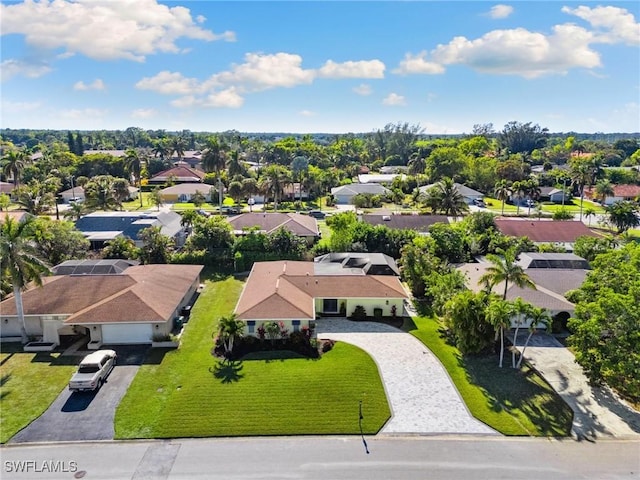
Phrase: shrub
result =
(359, 313)
(327, 345)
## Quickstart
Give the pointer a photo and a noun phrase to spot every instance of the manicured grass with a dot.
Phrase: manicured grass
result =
(512, 402)
(573, 206)
(495, 206)
(29, 383)
(189, 393)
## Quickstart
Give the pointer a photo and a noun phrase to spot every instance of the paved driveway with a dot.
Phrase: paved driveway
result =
(421, 395)
(597, 411)
(87, 415)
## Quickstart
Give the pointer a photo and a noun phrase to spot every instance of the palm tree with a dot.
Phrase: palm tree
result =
(533, 192)
(273, 180)
(499, 314)
(230, 328)
(417, 164)
(160, 149)
(235, 165)
(100, 193)
(133, 165)
(76, 210)
(624, 215)
(214, 159)
(35, 198)
(20, 262)
(604, 189)
(581, 175)
(522, 311)
(446, 195)
(14, 162)
(249, 189)
(177, 146)
(589, 212)
(504, 268)
(537, 316)
(519, 189)
(502, 192)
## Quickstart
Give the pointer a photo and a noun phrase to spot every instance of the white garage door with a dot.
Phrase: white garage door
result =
(126, 333)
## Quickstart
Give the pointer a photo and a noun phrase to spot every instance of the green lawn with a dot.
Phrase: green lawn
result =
(510, 401)
(189, 393)
(29, 383)
(495, 206)
(574, 207)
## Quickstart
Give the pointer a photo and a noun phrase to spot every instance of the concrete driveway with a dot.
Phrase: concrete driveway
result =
(422, 398)
(88, 415)
(597, 411)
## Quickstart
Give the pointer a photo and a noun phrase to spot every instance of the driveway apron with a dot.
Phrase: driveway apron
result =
(597, 411)
(87, 415)
(421, 395)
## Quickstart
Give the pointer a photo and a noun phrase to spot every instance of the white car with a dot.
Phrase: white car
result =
(93, 371)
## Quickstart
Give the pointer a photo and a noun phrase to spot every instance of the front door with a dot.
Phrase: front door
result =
(330, 305)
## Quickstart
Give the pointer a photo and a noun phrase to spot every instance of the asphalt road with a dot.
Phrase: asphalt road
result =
(338, 458)
(85, 415)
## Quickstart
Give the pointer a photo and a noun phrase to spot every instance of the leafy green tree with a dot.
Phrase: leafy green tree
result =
(341, 226)
(606, 323)
(58, 241)
(210, 234)
(445, 162)
(448, 243)
(120, 248)
(465, 317)
(416, 263)
(590, 247)
(198, 199)
(156, 247)
(286, 243)
(5, 201)
(523, 138)
(155, 198)
(20, 262)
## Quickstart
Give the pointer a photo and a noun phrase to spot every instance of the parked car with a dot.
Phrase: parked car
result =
(93, 371)
(478, 202)
(230, 210)
(317, 214)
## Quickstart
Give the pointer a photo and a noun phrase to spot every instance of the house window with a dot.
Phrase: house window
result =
(296, 325)
(252, 325)
(330, 305)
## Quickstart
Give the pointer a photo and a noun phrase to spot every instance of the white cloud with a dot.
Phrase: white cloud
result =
(144, 113)
(184, 102)
(19, 107)
(307, 113)
(418, 64)
(612, 24)
(351, 69)
(500, 11)
(85, 113)
(261, 72)
(394, 100)
(11, 68)
(104, 30)
(363, 89)
(228, 98)
(97, 84)
(169, 83)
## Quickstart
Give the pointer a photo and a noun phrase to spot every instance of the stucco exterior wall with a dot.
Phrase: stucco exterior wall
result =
(368, 303)
(251, 326)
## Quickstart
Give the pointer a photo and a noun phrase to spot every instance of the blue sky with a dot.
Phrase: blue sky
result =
(331, 67)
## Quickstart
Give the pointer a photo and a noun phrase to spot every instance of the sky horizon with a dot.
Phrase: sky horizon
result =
(319, 67)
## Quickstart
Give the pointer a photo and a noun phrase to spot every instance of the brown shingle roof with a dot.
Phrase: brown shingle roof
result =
(181, 173)
(141, 293)
(544, 230)
(300, 225)
(286, 289)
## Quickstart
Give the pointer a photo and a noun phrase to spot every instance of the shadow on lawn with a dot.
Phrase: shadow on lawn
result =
(525, 390)
(227, 371)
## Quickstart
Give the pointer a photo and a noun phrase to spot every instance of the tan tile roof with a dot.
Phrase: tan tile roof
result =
(296, 223)
(141, 293)
(286, 289)
(544, 230)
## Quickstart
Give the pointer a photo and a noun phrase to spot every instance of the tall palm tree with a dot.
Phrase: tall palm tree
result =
(581, 175)
(20, 263)
(14, 162)
(537, 316)
(133, 166)
(177, 146)
(249, 189)
(499, 314)
(229, 329)
(446, 195)
(604, 189)
(589, 212)
(504, 268)
(76, 210)
(273, 180)
(235, 165)
(214, 159)
(160, 149)
(519, 189)
(35, 198)
(502, 191)
(100, 194)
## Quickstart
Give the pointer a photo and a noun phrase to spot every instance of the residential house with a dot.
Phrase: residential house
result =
(183, 192)
(6, 188)
(356, 263)
(77, 194)
(298, 293)
(16, 215)
(303, 226)
(381, 178)
(100, 227)
(345, 193)
(553, 194)
(134, 306)
(419, 223)
(620, 193)
(553, 274)
(93, 267)
(561, 233)
(469, 194)
(179, 174)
